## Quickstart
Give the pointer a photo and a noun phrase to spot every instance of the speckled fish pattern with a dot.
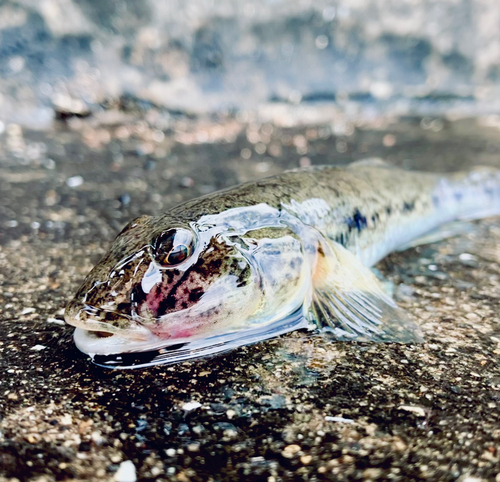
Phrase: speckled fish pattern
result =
(259, 253)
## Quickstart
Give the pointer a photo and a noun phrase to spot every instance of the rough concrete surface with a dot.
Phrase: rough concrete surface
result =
(301, 407)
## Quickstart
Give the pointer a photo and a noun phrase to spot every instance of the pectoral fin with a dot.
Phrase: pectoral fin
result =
(350, 300)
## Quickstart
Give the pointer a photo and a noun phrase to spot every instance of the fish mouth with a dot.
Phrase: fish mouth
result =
(95, 337)
(94, 342)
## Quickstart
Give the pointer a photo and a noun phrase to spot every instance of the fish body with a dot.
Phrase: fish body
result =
(267, 257)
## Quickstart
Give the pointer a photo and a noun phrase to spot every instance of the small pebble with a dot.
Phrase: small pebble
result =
(187, 182)
(372, 473)
(467, 257)
(97, 438)
(126, 472)
(419, 411)
(74, 181)
(389, 140)
(191, 406)
(306, 459)
(290, 450)
(38, 347)
(339, 419)
(33, 438)
(125, 199)
(56, 321)
(246, 153)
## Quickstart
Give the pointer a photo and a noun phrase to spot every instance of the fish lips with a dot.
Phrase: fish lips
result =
(91, 343)
(95, 337)
(94, 334)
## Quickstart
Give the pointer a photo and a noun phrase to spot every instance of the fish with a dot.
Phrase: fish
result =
(252, 262)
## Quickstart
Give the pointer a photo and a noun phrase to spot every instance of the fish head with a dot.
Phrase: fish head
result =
(164, 283)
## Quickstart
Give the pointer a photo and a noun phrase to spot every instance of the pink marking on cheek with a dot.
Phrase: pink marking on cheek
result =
(153, 300)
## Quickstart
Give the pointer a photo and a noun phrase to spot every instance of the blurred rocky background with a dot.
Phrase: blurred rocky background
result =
(359, 57)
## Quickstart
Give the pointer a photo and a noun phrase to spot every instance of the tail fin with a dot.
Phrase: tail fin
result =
(474, 194)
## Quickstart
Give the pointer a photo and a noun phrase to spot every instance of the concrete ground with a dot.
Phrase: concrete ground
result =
(300, 407)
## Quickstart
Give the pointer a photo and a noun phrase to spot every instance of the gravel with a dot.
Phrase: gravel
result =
(300, 407)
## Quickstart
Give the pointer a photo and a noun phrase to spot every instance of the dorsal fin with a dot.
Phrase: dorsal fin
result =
(371, 161)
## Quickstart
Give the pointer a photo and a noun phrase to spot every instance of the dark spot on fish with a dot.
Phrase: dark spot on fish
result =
(296, 263)
(168, 275)
(137, 295)
(166, 305)
(341, 239)
(408, 206)
(123, 307)
(195, 294)
(168, 302)
(388, 210)
(215, 264)
(243, 277)
(357, 221)
(210, 312)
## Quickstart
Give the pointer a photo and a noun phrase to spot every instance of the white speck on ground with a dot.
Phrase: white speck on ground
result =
(126, 472)
(338, 419)
(416, 410)
(56, 321)
(74, 181)
(27, 311)
(38, 347)
(191, 406)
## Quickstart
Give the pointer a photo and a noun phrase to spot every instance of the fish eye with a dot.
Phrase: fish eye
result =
(174, 246)
(177, 254)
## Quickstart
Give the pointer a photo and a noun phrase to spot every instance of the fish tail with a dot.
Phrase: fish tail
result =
(469, 195)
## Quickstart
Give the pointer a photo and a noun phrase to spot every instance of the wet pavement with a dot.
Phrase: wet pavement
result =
(300, 407)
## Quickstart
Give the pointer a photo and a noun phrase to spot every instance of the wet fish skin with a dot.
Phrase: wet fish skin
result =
(300, 241)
